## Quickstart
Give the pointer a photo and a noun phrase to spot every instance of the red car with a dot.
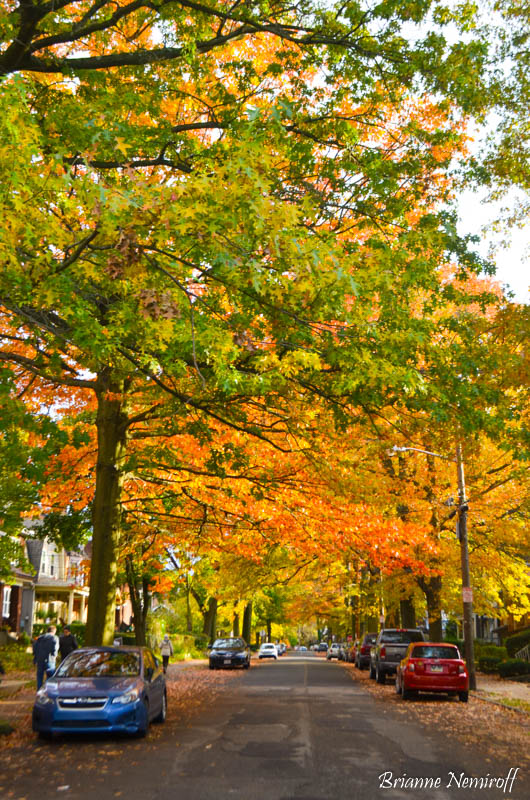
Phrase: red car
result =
(432, 667)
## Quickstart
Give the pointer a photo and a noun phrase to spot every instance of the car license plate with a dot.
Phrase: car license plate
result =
(228, 660)
(436, 668)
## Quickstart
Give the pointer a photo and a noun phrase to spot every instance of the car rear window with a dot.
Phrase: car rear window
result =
(100, 664)
(401, 637)
(427, 651)
(370, 639)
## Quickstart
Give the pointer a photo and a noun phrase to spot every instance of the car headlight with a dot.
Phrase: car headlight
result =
(43, 699)
(128, 697)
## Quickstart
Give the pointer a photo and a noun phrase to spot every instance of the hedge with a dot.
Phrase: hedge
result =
(492, 651)
(15, 658)
(517, 642)
(489, 664)
(514, 666)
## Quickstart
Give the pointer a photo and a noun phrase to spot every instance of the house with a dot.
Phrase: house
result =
(60, 582)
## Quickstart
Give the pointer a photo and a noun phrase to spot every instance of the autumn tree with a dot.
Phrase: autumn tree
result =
(207, 208)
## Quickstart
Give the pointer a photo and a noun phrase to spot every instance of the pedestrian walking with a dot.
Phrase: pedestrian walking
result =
(166, 650)
(67, 642)
(45, 650)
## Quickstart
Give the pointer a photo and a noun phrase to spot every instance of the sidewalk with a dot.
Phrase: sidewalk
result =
(505, 692)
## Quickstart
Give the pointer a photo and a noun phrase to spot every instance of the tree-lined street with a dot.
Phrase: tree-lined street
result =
(297, 728)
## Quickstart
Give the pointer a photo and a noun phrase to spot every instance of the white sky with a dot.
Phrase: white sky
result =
(513, 263)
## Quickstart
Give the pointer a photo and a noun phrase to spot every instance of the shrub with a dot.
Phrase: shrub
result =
(489, 664)
(514, 666)
(493, 651)
(14, 658)
(517, 642)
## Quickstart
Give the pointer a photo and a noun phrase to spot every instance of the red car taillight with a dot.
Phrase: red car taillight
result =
(365, 649)
(382, 652)
(461, 669)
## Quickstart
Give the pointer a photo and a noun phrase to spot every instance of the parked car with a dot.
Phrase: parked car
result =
(432, 668)
(268, 650)
(333, 651)
(389, 648)
(281, 647)
(343, 651)
(323, 647)
(233, 652)
(102, 689)
(360, 652)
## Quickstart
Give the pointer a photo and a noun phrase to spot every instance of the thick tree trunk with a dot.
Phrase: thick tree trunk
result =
(235, 625)
(111, 422)
(432, 587)
(210, 617)
(247, 622)
(408, 613)
(269, 630)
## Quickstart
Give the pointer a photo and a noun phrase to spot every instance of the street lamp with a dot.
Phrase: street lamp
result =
(467, 591)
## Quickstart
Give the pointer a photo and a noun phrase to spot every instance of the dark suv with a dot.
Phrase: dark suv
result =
(390, 649)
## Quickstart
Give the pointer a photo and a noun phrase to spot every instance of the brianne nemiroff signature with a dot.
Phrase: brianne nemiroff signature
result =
(454, 780)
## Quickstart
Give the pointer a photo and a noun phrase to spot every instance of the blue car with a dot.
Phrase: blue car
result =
(102, 689)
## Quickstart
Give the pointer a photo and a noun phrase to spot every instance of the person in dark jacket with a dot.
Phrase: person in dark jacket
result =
(45, 650)
(67, 642)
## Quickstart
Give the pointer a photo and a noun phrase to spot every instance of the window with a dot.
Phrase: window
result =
(52, 564)
(6, 601)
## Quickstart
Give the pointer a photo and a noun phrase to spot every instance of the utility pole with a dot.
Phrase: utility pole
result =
(467, 591)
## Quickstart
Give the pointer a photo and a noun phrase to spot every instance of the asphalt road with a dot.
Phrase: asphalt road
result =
(296, 728)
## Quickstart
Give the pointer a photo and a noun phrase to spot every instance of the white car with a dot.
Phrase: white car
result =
(333, 652)
(268, 650)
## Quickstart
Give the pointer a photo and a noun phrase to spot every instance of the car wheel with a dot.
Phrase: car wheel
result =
(463, 696)
(406, 694)
(246, 665)
(163, 711)
(379, 675)
(372, 671)
(211, 666)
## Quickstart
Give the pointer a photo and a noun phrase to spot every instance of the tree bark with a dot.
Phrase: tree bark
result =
(235, 625)
(247, 622)
(210, 617)
(432, 588)
(408, 613)
(111, 423)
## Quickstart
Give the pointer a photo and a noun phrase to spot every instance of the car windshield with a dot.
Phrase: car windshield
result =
(401, 637)
(100, 664)
(428, 651)
(228, 643)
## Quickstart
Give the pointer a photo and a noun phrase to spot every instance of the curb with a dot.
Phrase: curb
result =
(476, 694)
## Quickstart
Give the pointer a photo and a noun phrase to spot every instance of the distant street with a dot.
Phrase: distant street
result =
(295, 728)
